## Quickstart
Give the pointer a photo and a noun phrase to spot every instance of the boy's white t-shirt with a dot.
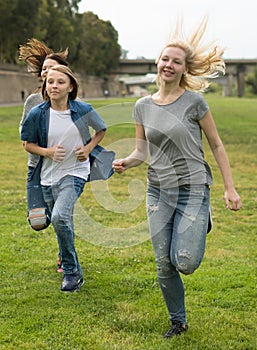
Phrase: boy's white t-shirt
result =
(62, 131)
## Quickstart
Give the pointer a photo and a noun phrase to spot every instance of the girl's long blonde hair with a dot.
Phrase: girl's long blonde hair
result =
(202, 61)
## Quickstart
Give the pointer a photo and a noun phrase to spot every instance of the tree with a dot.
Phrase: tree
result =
(52, 21)
(58, 20)
(98, 49)
(92, 42)
(124, 54)
(18, 20)
(251, 80)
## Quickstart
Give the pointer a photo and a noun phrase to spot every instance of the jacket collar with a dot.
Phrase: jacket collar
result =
(46, 105)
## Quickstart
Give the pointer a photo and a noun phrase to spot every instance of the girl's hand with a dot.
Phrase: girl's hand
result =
(232, 200)
(81, 153)
(118, 165)
(56, 153)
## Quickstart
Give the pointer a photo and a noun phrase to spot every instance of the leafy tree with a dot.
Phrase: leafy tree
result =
(251, 80)
(6, 7)
(58, 19)
(98, 49)
(92, 42)
(52, 21)
(124, 53)
(18, 20)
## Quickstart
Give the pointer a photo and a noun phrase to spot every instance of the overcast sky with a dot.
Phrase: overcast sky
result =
(144, 26)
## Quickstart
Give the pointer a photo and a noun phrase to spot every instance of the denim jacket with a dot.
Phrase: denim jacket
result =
(35, 126)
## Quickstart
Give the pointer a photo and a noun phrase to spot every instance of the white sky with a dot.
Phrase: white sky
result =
(144, 26)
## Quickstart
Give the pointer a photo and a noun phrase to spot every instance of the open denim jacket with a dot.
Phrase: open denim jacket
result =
(36, 125)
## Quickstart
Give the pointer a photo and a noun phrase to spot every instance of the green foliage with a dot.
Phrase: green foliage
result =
(18, 19)
(99, 50)
(215, 88)
(59, 17)
(93, 43)
(121, 306)
(251, 80)
(152, 88)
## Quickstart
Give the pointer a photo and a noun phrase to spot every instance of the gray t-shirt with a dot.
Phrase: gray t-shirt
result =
(174, 138)
(31, 101)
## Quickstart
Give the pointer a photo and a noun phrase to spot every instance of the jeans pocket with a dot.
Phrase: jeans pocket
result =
(194, 189)
(79, 185)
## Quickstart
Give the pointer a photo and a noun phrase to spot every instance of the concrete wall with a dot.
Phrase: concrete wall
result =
(15, 79)
(94, 87)
(12, 83)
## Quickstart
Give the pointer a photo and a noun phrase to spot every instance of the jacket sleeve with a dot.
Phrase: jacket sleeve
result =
(95, 121)
(29, 128)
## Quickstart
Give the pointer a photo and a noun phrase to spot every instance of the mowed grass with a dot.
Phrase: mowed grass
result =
(120, 306)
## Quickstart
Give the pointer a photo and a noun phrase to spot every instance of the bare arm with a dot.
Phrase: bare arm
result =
(56, 153)
(231, 197)
(137, 157)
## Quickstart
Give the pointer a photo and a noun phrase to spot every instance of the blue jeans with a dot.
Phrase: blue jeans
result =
(61, 198)
(178, 222)
(34, 193)
(35, 201)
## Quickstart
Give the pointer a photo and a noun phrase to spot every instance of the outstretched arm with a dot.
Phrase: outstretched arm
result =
(231, 197)
(137, 157)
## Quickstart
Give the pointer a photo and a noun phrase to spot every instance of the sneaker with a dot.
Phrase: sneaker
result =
(176, 329)
(72, 282)
(59, 266)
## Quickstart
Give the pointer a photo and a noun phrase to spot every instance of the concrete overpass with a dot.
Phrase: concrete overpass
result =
(236, 70)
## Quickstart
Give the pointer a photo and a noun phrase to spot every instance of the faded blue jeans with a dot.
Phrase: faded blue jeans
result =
(35, 199)
(61, 198)
(178, 222)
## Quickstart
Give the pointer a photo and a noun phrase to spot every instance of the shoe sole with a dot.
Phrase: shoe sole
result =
(79, 285)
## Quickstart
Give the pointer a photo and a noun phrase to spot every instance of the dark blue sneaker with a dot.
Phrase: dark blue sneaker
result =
(176, 329)
(72, 282)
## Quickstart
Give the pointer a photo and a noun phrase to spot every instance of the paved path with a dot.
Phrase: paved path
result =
(6, 104)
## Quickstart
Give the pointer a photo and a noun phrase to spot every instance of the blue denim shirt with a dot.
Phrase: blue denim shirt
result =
(35, 126)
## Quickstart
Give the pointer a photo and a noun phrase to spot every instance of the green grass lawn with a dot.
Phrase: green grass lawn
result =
(120, 306)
